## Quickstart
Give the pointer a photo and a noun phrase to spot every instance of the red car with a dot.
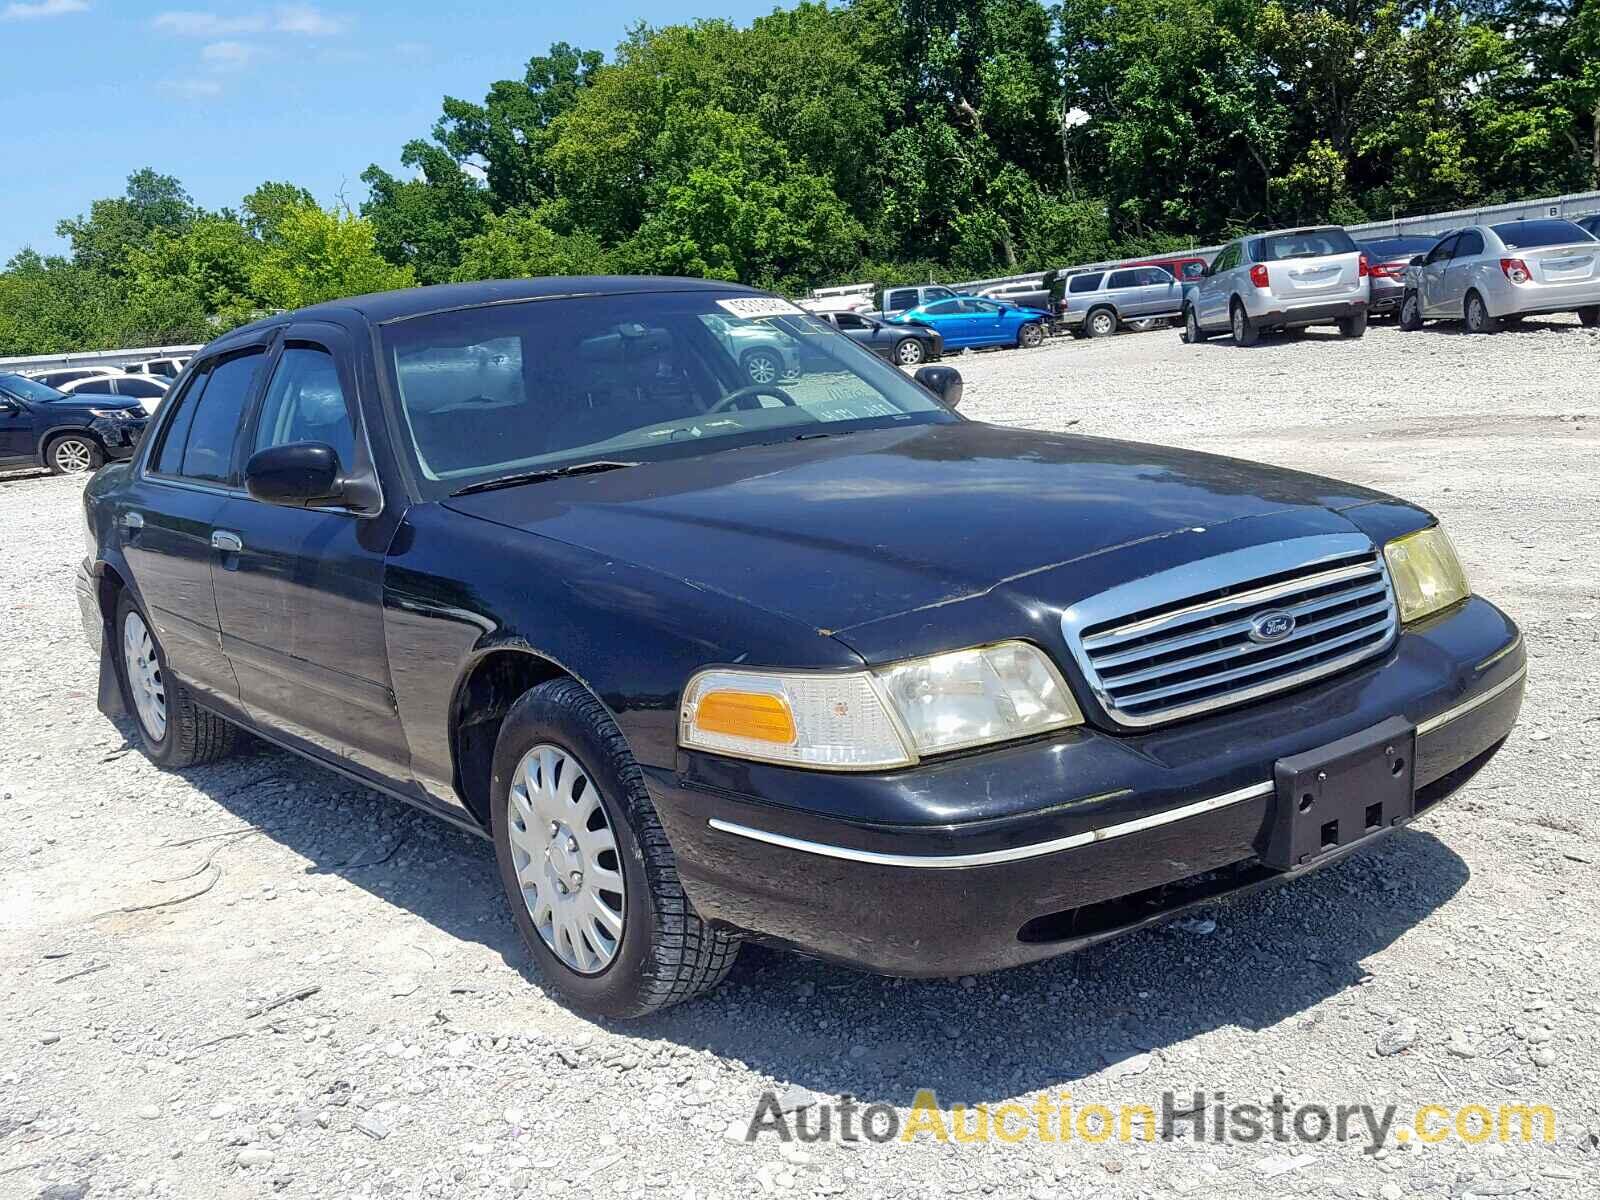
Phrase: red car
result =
(1185, 269)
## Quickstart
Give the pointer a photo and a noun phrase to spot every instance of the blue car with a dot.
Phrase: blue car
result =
(975, 321)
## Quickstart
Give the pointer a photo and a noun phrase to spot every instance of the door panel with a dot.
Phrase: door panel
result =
(1431, 288)
(16, 430)
(1465, 255)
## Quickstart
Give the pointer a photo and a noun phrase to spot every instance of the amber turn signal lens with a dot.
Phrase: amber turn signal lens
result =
(757, 715)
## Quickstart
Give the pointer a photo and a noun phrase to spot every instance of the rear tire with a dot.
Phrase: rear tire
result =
(174, 731)
(1353, 327)
(663, 952)
(1477, 315)
(763, 366)
(1192, 333)
(1589, 317)
(1411, 312)
(73, 454)
(1102, 322)
(1030, 336)
(1244, 333)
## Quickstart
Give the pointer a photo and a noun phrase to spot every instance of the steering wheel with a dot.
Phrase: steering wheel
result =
(745, 393)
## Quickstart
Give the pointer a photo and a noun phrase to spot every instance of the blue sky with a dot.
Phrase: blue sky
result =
(226, 96)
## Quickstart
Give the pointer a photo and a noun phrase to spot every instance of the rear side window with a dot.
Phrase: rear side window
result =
(1122, 279)
(1468, 244)
(144, 389)
(97, 387)
(201, 435)
(1302, 243)
(1085, 283)
(944, 308)
(305, 403)
(1530, 235)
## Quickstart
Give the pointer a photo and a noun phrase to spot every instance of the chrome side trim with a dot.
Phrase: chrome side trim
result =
(991, 857)
(1500, 653)
(1462, 709)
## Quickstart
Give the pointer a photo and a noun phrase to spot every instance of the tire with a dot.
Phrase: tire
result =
(1589, 317)
(1353, 327)
(648, 949)
(1192, 333)
(909, 352)
(1477, 315)
(1030, 336)
(1102, 322)
(185, 735)
(762, 366)
(73, 454)
(1244, 333)
(1411, 312)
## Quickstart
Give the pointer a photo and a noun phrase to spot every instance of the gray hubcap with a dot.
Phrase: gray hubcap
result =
(1238, 323)
(1102, 323)
(144, 676)
(761, 368)
(1193, 326)
(909, 353)
(566, 859)
(73, 454)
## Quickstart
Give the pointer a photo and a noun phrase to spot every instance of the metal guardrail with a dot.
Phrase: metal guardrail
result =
(93, 358)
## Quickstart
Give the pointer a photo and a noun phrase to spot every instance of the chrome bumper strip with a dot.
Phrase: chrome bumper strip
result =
(991, 857)
(1466, 706)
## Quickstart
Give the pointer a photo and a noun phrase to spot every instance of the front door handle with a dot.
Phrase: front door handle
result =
(228, 543)
(133, 521)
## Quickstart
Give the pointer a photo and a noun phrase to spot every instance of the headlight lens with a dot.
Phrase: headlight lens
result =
(116, 414)
(871, 720)
(1427, 574)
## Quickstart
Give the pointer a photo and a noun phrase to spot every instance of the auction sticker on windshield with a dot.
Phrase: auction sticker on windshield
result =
(760, 306)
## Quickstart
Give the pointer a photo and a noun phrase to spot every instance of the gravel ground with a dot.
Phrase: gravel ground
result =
(256, 979)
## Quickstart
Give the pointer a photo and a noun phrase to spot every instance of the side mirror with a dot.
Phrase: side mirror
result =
(943, 382)
(297, 475)
(1417, 260)
(7, 406)
(1005, 310)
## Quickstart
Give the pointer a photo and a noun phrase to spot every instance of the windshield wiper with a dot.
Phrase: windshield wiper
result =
(505, 481)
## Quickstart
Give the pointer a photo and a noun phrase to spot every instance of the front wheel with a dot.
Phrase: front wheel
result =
(1353, 326)
(175, 732)
(72, 454)
(908, 352)
(1477, 314)
(592, 880)
(1192, 333)
(1030, 336)
(1411, 313)
(1589, 317)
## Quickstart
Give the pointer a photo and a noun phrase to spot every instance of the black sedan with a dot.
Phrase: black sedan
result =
(903, 345)
(42, 427)
(815, 661)
(1390, 260)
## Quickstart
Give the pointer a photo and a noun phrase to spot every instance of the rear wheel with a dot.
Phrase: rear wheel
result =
(1353, 326)
(1030, 336)
(1411, 313)
(1590, 316)
(73, 453)
(1192, 333)
(1102, 322)
(592, 880)
(1477, 315)
(1244, 333)
(175, 731)
(908, 352)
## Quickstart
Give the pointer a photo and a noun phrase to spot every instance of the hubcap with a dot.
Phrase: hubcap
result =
(1194, 327)
(910, 352)
(1475, 311)
(566, 859)
(144, 676)
(761, 369)
(1238, 323)
(73, 455)
(1102, 324)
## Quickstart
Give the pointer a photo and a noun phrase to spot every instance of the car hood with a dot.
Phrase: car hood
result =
(71, 402)
(839, 531)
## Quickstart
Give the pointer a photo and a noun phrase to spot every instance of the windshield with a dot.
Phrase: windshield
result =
(1530, 235)
(508, 388)
(24, 388)
(1302, 243)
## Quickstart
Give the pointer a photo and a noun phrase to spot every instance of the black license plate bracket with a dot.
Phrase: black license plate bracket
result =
(1342, 793)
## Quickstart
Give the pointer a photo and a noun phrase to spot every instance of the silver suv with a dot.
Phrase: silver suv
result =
(1097, 303)
(1485, 274)
(1283, 280)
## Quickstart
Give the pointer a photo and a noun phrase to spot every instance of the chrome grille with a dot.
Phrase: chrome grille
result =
(1211, 634)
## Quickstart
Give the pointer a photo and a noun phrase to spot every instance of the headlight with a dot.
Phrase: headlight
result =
(873, 720)
(116, 414)
(1426, 573)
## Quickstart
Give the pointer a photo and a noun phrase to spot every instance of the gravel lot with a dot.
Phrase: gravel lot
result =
(255, 979)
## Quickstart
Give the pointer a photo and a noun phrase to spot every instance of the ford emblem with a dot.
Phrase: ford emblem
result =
(1272, 627)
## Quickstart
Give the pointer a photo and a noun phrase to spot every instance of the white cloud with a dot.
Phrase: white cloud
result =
(207, 24)
(295, 20)
(43, 8)
(307, 20)
(227, 56)
(192, 89)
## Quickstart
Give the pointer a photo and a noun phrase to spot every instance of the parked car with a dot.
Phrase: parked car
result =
(1485, 274)
(56, 376)
(1289, 279)
(1185, 268)
(167, 368)
(40, 426)
(1031, 294)
(765, 354)
(903, 345)
(971, 322)
(903, 299)
(147, 389)
(935, 697)
(1390, 260)
(1098, 303)
(1589, 224)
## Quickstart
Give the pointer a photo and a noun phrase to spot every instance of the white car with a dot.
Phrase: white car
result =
(59, 377)
(1484, 274)
(146, 389)
(166, 368)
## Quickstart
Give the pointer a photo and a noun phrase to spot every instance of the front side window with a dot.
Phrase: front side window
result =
(502, 389)
(851, 321)
(944, 308)
(306, 403)
(1443, 250)
(1530, 235)
(1154, 276)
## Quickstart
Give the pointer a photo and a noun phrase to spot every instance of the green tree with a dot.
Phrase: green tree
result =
(519, 244)
(322, 255)
(101, 240)
(425, 222)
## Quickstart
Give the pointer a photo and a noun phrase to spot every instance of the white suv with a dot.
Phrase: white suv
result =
(1283, 280)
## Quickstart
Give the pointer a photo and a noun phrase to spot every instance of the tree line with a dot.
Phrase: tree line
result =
(884, 139)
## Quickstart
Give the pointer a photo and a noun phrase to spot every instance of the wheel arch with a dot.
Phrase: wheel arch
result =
(41, 450)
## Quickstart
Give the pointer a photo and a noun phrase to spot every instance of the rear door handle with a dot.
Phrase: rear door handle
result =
(229, 543)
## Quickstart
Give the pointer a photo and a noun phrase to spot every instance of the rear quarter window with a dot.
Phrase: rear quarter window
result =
(1085, 283)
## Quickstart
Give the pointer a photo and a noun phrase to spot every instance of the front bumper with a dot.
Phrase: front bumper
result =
(119, 437)
(905, 873)
(1270, 313)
